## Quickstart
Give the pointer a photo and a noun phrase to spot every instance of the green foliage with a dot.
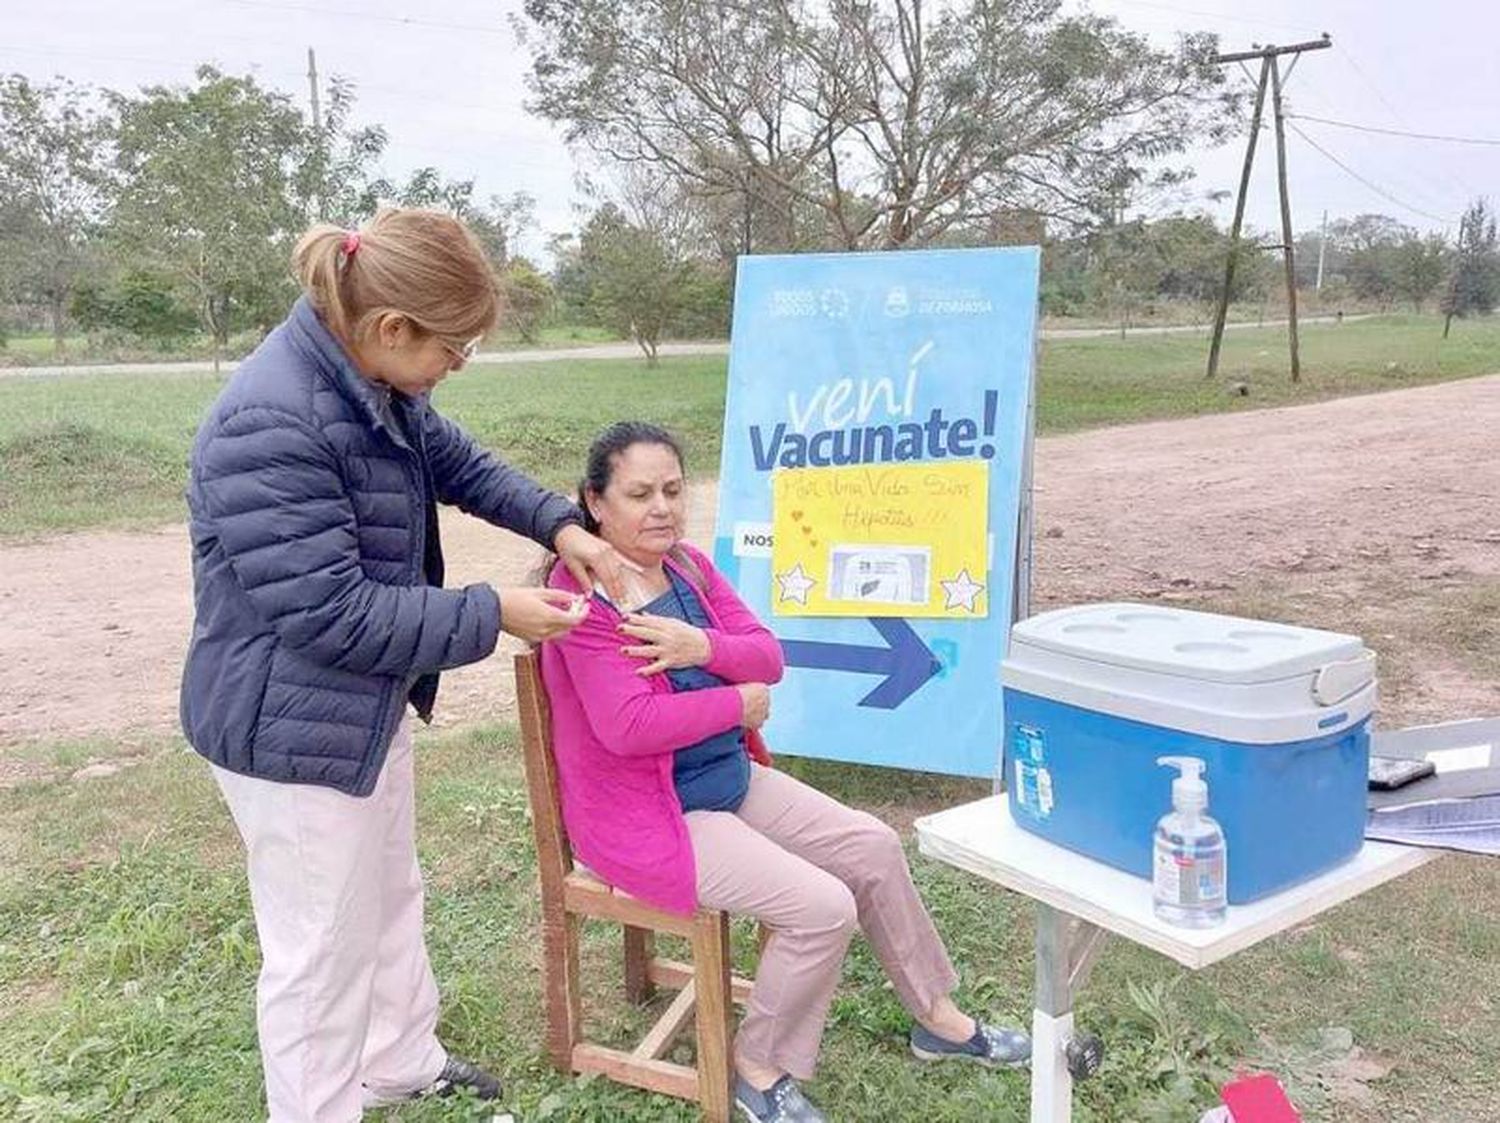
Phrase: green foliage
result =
(1127, 266)
(889, 123)
(333, 176)
(142, 303)
(1379, 259)
(53, 192)
(638, 286)
(1475, 287)
(1419, 267)
(528, 299)
(210, 194)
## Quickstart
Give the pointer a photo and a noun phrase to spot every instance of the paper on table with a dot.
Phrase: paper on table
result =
(1472, 825)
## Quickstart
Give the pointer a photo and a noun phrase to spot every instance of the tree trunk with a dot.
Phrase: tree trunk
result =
(646, 344)
(59, 337)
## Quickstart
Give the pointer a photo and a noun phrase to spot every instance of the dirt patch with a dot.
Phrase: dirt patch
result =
(1376, 514)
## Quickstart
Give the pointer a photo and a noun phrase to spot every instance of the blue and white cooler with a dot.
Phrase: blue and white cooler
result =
(1280, 716)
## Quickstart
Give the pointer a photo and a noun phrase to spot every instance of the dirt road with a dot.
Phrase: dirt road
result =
(1377, 514)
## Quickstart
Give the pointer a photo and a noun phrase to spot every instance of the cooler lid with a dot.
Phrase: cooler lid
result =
(1175, 641)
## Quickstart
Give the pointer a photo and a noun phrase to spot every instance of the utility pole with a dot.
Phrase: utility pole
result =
(1270, 75)
(1288, 256)
(1322, 249)
(312, 87)
(1222, 312)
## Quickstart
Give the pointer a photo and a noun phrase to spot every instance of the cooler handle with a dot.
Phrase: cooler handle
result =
(1337, 681)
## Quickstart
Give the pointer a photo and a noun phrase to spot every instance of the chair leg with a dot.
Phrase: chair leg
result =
(711, 976)
(640, 947)
(563, 985)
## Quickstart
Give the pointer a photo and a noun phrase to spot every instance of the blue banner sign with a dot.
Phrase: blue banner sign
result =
(881, 359)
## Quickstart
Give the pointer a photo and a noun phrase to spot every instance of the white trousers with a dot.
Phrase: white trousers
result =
(346, 1002)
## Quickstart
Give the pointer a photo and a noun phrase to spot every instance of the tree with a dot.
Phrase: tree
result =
(571, 280)
(1124, 271)
(53, 191)
(502, 223)
(892, 121)
(140, 303)
(1475, 284)
(209, 197)
(1366, 247)
(334, 179)
(1419, 266)
(637, 286)
(528, 298)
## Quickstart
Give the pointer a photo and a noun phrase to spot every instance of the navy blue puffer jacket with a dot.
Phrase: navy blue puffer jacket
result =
(317, 567)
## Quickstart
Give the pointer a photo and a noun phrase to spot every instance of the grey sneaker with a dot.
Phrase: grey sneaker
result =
(782, 1102)
(993, 1046)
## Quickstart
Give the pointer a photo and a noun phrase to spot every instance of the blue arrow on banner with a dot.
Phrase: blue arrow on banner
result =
(906, 662)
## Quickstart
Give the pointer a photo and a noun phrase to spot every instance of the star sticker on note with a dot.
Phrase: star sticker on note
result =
(795, 583)
(962, 591)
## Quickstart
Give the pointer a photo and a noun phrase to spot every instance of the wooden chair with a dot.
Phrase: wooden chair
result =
(706, 990)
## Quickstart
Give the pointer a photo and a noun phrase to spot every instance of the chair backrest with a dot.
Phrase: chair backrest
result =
(554, 857)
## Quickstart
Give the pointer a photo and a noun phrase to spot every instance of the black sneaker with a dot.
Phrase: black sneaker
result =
(458, 1076)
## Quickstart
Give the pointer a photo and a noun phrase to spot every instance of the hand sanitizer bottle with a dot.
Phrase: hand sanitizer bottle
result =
(1190, 866)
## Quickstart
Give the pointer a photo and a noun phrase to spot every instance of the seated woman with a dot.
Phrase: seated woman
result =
(666, 794)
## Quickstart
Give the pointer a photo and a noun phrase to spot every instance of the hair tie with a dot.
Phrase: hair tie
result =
(351, 243)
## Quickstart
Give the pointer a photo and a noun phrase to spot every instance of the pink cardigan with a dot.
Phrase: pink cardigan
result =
(614, 734)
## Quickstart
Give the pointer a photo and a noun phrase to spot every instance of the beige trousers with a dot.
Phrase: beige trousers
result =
(812, 869)
(346, 1002)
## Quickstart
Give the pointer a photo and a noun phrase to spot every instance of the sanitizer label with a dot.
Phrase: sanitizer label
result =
(1033, 782)
(1185, 879)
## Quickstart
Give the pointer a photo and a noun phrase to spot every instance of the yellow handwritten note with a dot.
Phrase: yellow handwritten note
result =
(881, 540)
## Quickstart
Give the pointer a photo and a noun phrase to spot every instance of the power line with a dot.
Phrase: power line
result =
(405, 21)
(473, 140)
(1395, 112)
(1214, 15)
(361, 89)
(1397, 132)
(1374, 89)
(1382, 192)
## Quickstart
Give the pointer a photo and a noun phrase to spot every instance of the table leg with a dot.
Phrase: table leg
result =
(1065, 950)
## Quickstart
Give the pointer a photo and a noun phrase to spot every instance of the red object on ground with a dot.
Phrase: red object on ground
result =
(1259, 1099)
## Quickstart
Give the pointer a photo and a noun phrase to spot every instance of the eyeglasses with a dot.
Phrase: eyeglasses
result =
(466, 352)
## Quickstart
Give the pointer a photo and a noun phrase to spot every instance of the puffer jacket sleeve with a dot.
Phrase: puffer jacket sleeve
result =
(270, 488)
(471, 478)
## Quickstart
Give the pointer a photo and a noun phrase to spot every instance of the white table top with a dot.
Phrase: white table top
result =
(981, 837)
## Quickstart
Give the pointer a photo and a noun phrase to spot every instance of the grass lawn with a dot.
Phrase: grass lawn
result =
(127, 964)
(110, 449)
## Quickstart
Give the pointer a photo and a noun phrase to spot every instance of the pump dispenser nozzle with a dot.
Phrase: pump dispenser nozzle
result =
(1189, 791)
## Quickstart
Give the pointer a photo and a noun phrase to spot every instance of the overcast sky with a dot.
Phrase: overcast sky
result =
(446, 78)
